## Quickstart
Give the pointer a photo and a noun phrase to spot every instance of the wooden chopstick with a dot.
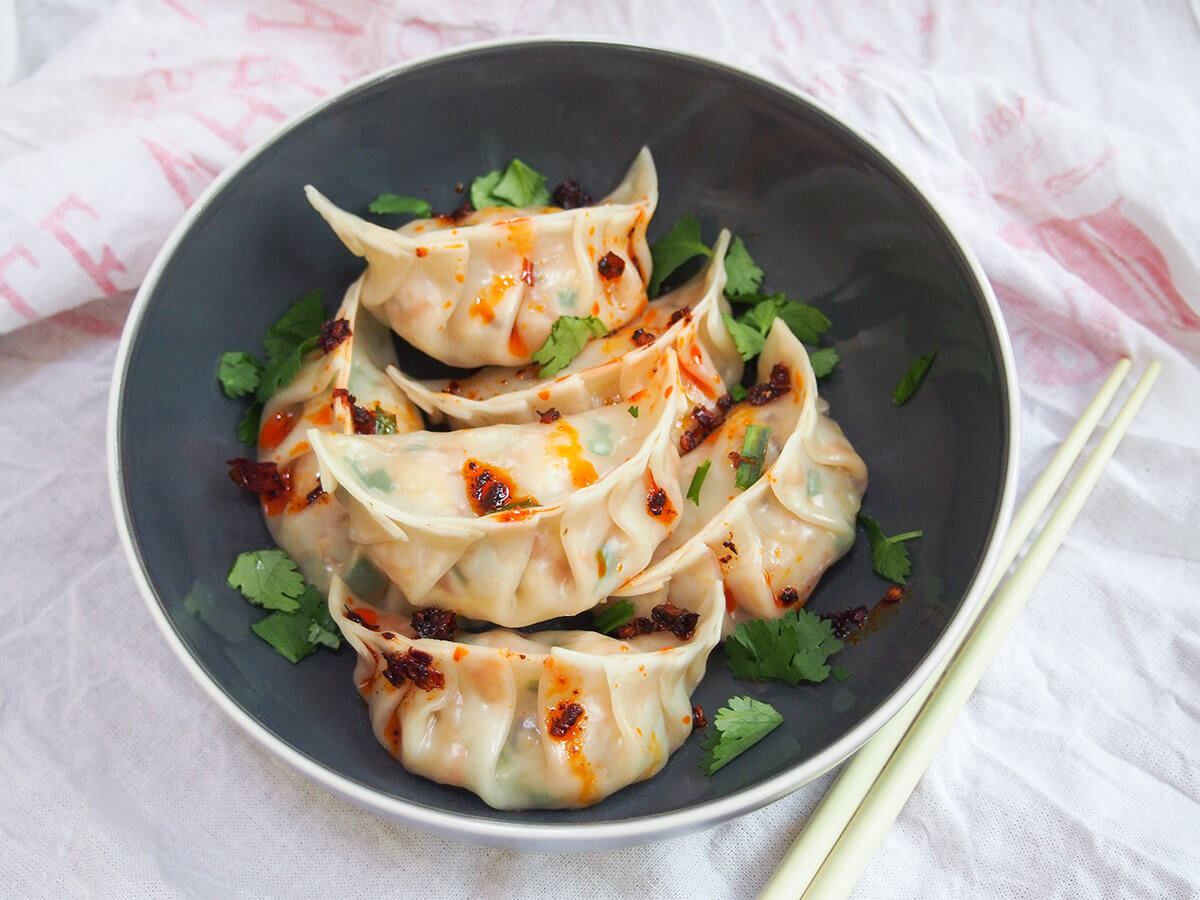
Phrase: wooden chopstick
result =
(837, 825)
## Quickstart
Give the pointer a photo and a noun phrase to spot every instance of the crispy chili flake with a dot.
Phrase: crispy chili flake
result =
(431, 622)
(359, 619)
(422, 252)
(610, 266)
(787, 597)
(260, 478)
(730, 546)
(894, 594)
(547, 416)
(845, 620)
(364, 419)
(698, 719)
(315, 494)
(415, 665)
(453, 387)
(563, 718)
(459, 214)
(634, 627)
(641, 337)
(459, 188)
(778, 385)
(527, 271)
(707, 420)
(569, 195)
(680, 622)
(656, 501)
(333, 333)
(684, 312)
(490, 489)
(724, 402)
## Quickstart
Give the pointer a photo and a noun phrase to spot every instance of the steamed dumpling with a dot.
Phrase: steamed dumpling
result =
(775, 539)
(551, 719)
(486, 289)
(307, 523)
(515, 524)
(687, 320)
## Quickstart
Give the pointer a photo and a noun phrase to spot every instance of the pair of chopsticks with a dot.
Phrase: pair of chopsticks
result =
(847, 827)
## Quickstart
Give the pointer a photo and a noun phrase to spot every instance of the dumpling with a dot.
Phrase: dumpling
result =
(306, 522)
(688, 320)
(486, 289)
(551, 719)
(515, 524)
(776, 538)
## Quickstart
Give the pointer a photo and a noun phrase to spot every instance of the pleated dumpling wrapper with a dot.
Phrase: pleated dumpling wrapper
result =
(687, 319)
(775, 538)
(516, 524)
(486, 289)
(338, 390)
(552, 719)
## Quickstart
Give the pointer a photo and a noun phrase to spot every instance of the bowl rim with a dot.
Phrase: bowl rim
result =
(561, 836)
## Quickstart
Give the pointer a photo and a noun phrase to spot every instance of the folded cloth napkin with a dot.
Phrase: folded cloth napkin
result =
(1059, 139)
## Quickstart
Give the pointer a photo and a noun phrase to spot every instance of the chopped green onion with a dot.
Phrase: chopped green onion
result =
(633, 411)
(754, 452)
(610, 619)
(693, 491)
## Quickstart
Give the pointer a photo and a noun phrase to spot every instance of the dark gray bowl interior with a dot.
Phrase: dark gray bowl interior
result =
(829, 220)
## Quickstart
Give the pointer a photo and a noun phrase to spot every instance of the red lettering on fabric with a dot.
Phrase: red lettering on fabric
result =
(255, 71)
(7, 291)
(237, 135)
(174, 165)
(316, 18)
(97, 269)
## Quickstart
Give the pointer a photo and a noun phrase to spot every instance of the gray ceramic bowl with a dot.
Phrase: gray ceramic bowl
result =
(828, 217)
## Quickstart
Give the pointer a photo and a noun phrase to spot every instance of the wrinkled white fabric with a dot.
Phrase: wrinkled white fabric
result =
(1060, 138)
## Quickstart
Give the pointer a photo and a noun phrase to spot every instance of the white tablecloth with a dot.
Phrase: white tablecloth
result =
(1060, 137)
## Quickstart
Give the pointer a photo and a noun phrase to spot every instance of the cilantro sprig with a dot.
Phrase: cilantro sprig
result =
(675, 248)
(736, 728)
(912, 378)
(567, 337)
(286, 343)
(889, 556)
(792, 648)
(300, 622)
(516, 185)
(742, 274)
(613, 617)
(394, 204)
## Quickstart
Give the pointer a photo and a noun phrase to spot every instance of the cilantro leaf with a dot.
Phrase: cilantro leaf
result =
(385, 423)
(299, 633)
(302, 321)
(675, 248)
(280, 373)
(394, 204)
(239, 373)
(611, 618)
(911, 380)
(693, 491)
(889, 557)
(736, 728)
(738, 392)
(823, 361)
(841, 673)
(742, 275)
(481, 190)
(747, 338)
(267, 578)
(807, 322)
(567, 337)
(517, 185)
(247, 431)
(633, 411)
(792, 648)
